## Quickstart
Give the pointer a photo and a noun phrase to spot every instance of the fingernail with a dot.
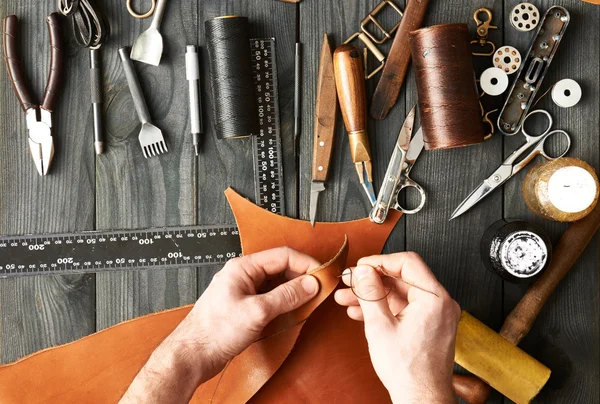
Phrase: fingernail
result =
(347, 271)
(310, 285)
(361, 271)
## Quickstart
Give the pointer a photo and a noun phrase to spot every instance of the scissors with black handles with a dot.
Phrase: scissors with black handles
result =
(534, 145)
(396, 176)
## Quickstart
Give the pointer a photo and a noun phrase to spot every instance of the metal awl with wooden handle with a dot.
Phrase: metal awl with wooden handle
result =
(350, 83)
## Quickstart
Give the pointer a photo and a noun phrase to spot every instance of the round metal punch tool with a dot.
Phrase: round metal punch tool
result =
(524, 17)
(493, 81)
(508, 59)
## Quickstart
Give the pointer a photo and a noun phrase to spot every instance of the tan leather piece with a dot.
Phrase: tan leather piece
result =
(328, 362)
(250, 370)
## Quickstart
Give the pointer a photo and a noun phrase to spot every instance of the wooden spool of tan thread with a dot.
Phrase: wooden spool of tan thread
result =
(564, 190)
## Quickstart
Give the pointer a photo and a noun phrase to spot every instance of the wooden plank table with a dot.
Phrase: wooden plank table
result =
(121, 189)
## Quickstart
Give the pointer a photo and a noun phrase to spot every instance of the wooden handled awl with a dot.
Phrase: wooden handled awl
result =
(521, 319)
(350, 83)
(325, 123)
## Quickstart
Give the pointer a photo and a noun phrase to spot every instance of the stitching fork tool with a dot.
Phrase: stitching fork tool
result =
(350, 84)
(512, 165)
(38, 117)
(406, 152)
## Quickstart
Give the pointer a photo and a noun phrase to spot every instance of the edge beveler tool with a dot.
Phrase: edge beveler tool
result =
(350, 84)
(325, 123)
(38, 117)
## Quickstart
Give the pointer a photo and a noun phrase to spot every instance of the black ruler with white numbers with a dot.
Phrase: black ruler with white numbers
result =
(268, 168)
(97, 251)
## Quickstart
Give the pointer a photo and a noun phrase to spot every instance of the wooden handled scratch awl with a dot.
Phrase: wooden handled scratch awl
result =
(521, 319)
(350, 83)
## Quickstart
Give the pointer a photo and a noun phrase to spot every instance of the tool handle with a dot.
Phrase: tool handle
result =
(350, 83)
(395, 68)
(13, 63)
(325, 115)
(96, 94)
(134, 86)
(192, 72)
(56, 63)
(158, 14)
(521, 318)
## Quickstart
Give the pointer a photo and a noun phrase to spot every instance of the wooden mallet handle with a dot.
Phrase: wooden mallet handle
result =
(521, 318)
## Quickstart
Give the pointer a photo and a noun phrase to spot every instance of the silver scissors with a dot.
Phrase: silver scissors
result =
(510, 166)
(396, 176)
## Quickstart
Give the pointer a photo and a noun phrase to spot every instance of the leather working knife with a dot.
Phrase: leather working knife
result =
(324, 127)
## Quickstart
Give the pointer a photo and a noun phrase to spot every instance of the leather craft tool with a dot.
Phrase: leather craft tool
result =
(145, 15)
(520, 320)
(535, 65)
(91, 30)
(234, 103)
(448, 99)
(508, 59)
(324, 126)
(534, 145)
(395, 67)
(369, 39)
(524, 17)
(564, 190)
(38, 117)
(297, 376)
(151, 138)
(566, 93)
(396, 177)
(350, 84)
(192, 72)
(483, 28)
(148, 47)
(515, 250)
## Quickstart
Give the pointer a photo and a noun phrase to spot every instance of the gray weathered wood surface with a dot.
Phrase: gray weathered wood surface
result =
(121, 189)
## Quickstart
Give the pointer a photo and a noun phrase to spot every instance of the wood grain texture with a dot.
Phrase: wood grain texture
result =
(565, 335)
(36, 312)
(134, 192)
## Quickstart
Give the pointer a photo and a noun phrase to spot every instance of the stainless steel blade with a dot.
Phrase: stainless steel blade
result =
(315, 188)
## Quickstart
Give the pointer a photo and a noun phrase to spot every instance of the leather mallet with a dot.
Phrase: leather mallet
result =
(521, 319)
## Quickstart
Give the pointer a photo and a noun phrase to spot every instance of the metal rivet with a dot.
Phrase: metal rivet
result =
(321, 143)
(320, 168)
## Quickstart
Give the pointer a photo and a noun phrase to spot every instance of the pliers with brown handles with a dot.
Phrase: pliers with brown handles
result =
(38, 117)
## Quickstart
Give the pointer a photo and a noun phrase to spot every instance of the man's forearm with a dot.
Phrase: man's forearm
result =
(172, 374)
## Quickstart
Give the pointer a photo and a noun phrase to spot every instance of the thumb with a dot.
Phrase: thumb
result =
(290, 295)
(368, 287)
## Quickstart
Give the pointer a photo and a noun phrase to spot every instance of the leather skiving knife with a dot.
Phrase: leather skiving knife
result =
(324, 127)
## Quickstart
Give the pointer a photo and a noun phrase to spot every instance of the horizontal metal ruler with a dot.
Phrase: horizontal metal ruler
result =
(268, 167)
(175, 247)
(96, 251)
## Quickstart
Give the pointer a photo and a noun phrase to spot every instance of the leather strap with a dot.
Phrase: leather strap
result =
(56, 63)
(396, 65)
(13, 63)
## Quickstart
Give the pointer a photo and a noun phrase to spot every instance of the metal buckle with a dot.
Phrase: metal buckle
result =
(369, 39)
(482, 32)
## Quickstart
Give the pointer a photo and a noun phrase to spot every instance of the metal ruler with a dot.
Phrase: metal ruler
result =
(268, 168)
(96, 251)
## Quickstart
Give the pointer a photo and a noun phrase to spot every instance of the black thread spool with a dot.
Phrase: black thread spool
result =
(234, 102)
(517, 251)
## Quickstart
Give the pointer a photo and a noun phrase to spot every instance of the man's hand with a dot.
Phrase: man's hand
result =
(228, 317)
(412, 333)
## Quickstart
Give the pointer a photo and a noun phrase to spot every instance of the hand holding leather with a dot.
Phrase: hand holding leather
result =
(411, 334)
(226, 320)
